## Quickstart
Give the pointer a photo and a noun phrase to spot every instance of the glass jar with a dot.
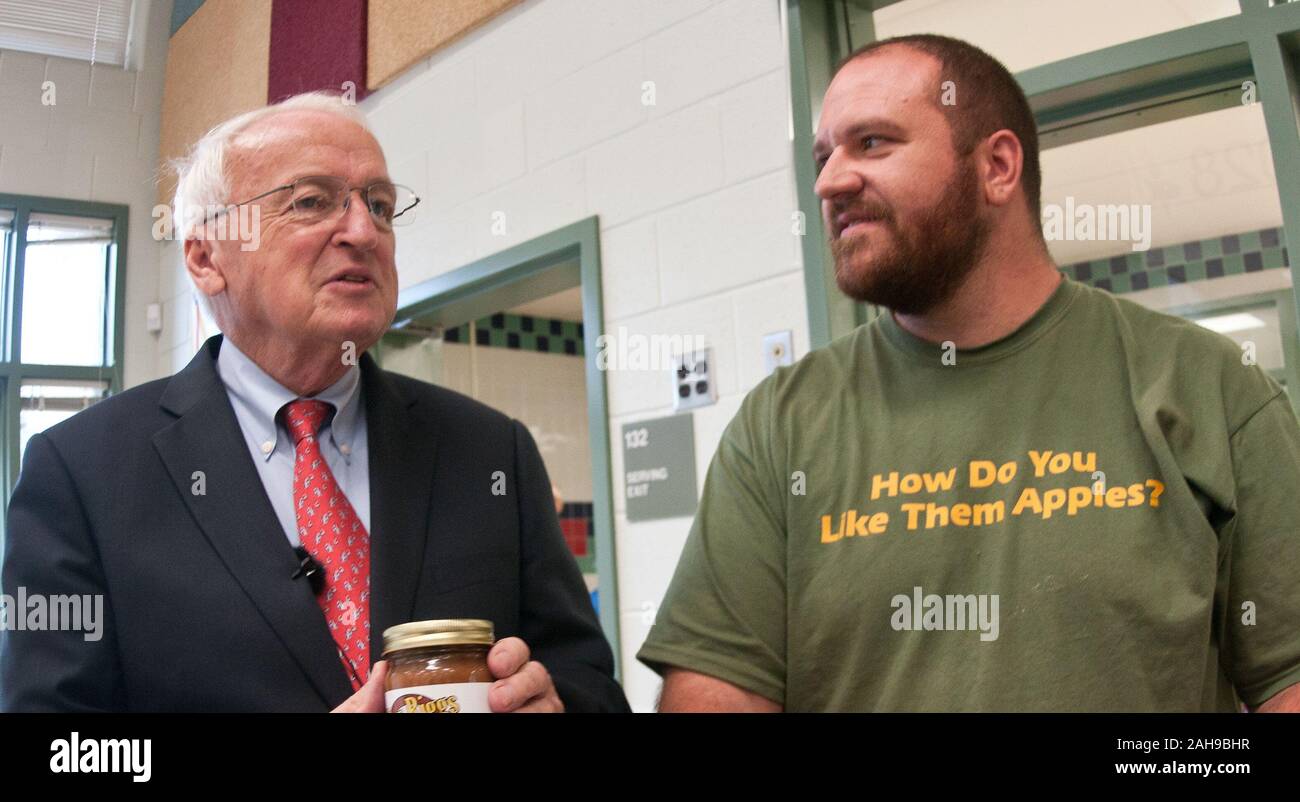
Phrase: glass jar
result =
(438, 666)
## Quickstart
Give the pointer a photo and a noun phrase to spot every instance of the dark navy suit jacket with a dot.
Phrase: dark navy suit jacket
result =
(201, 612)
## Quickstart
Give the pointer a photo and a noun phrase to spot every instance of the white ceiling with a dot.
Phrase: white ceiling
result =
(1028, 33)
(566, 305)
(1204, 176)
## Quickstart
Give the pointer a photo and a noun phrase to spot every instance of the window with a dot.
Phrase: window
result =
(1260, 329)
(1209, 241)
(65, 290)
(62, 267)
(1174, 118)
(50, 401)
(88, 30)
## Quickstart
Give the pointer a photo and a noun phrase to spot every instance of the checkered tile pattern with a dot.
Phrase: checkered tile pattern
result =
(1247, 252)
(575, 523)
(523, 332)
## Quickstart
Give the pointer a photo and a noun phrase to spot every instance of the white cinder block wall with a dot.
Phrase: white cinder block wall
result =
(98, 142)
(539, 116)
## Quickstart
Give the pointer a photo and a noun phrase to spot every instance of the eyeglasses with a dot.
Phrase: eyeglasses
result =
(320, 197)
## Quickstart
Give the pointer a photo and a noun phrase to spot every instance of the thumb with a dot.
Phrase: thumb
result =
(370, 699)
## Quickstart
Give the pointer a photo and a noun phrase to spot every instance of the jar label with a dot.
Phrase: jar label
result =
(455, 697)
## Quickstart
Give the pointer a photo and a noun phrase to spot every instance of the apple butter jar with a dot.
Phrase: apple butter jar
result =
(438, 666)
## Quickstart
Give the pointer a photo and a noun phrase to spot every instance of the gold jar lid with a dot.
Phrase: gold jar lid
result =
(438, 632)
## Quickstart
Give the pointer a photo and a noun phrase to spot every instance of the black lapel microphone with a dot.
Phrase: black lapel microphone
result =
(308, 567)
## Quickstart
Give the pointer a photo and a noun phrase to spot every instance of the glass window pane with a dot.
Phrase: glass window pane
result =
(1256, 325)
(65, 291)
(6, 245)
(1183, 217)
(46, 402)
(1202, 177)
(1046, 30)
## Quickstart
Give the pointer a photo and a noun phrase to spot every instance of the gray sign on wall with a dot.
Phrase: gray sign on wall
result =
(659, 468)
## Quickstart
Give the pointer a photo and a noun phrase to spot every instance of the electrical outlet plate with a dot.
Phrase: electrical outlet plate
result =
(693, 384)
(778, 349)
(153, 318)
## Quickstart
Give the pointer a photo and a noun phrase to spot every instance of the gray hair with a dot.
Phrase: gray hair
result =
(202, 179)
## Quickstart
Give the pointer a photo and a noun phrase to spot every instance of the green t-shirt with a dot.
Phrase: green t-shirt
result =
(1100, 511)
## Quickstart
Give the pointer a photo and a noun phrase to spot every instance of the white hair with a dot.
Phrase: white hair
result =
(202, 176)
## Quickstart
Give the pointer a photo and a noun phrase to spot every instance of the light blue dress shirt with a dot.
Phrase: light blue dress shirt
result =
(258, 398)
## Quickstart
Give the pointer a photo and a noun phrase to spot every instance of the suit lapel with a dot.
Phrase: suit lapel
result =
(402, 454)
(237, 518)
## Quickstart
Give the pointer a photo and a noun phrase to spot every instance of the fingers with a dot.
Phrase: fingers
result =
(507, 656)
(529, 690)
(550, 703)
(525, 686)
(370, 699)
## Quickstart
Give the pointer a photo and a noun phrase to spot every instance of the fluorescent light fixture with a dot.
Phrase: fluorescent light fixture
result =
(1226, 324)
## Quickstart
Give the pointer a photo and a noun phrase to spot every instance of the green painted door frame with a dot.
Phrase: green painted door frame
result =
(559, 260)
(818, 38)
(1186, 71)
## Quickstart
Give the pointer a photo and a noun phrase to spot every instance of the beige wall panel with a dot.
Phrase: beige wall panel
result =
(216, 68)
(401, 32)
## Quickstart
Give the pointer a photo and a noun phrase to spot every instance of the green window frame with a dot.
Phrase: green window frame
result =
(13, 372)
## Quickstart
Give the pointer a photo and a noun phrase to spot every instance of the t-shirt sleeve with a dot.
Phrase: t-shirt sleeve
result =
(724, 614)
(1262, 630)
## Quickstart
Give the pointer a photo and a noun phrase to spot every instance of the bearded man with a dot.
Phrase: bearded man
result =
(1009, 492)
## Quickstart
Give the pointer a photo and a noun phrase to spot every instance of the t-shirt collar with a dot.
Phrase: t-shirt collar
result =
(1047, 316)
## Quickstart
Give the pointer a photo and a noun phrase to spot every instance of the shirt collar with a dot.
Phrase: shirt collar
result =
(260, 398)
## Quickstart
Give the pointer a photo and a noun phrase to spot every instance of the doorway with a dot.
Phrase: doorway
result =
(518, 331)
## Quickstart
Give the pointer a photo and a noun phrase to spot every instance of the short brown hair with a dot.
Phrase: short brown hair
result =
(991, 100)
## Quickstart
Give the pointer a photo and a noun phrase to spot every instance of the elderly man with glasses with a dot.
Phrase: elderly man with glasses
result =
(254, 523)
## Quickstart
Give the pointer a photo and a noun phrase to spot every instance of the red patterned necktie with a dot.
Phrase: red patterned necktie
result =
(334, 536)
